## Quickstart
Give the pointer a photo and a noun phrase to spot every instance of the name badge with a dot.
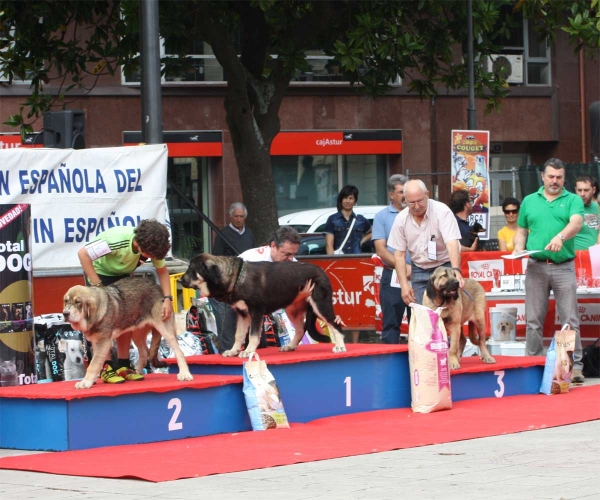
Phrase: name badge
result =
(431, 250)
(394, 283)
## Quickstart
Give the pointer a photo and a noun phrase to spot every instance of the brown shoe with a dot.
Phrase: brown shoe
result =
(577, 377)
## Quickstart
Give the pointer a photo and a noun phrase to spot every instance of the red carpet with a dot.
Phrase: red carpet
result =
(156, 382)
(322, 439)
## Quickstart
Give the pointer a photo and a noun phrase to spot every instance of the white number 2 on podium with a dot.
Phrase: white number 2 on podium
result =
(500, 392)
(173, 424)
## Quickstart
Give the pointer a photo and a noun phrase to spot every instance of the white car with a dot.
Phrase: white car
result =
(313, 221)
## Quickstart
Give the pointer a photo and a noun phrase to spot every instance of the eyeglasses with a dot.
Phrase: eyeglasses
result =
(417, 202)
(514, 212)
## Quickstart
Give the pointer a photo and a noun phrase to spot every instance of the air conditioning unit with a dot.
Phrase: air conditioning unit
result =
(509, 66)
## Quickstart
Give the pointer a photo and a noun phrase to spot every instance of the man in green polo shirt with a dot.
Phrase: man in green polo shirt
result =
(114, 254)
(590, 230)
(548, 221)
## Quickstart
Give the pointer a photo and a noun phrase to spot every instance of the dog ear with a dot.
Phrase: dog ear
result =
(213, 271)
(90, 308)
(430, 290)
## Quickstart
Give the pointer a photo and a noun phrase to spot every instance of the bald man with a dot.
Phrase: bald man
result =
(428, 230)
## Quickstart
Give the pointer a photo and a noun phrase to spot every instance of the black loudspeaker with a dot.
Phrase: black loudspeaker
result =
(595, 128)
(64, 129)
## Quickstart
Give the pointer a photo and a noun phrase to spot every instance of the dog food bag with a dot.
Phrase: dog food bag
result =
(61, 352)
(559, 362)
(263, 400)
(428, 361)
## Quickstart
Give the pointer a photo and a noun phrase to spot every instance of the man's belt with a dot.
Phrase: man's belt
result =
(550, 261)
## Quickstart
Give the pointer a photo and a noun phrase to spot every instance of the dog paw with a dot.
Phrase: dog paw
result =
(341, 348)
(245, 354)
(488, 359)
(287, 348)
(84, 384)
(229, 354)
(454, 364)
(185, 376)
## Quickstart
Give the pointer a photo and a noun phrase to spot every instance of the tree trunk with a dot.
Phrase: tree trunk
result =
(252, 145)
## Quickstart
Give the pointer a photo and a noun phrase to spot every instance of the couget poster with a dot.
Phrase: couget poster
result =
(470, 171)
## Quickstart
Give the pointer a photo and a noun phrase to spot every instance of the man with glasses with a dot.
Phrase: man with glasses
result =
(548, 221)
(428, 230)
(392, 305)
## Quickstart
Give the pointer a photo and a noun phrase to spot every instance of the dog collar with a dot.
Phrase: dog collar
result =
(241, 270)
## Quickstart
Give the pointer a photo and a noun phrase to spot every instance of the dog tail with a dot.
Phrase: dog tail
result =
(473, 334)
(311, 326)
(153, 355)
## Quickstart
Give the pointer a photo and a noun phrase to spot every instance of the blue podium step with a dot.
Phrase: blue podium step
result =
(313, 381)
(316, 383)
(59, 417)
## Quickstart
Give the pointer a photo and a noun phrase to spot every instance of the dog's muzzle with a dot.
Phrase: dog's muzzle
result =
(450, 289)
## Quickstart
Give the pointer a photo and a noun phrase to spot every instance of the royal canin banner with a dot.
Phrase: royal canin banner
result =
(470, 171)
(76, 194)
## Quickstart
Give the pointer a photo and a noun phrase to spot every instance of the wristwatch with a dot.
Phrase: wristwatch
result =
(170, 297)
(561, 237)
(457, 269)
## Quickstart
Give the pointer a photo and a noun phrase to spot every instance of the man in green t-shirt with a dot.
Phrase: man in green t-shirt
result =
(548, 221)
(590, 230)
(115, 254)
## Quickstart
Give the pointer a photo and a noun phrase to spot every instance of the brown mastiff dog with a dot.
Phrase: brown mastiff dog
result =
(129, 305)
(459, 305)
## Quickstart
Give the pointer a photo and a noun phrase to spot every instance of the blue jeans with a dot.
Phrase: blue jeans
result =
(540, 279)
(392, 309)
(420, 278)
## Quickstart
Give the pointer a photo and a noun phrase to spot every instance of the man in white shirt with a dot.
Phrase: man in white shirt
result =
(283, 246)
(429, 231)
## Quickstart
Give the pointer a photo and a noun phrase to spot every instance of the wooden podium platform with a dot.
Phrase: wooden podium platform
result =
(313, 381)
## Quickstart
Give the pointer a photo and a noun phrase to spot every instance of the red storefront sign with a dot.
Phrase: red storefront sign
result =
(184, 143)
(337, 142)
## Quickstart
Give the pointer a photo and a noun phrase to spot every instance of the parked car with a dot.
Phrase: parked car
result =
(311, 223)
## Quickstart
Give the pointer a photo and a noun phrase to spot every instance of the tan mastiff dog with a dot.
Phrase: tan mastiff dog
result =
(459, 305)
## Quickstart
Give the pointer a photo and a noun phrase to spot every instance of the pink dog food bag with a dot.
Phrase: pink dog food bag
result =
(428, 361)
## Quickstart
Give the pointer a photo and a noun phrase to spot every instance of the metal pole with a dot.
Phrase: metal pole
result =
(471, 113)
(150, 85)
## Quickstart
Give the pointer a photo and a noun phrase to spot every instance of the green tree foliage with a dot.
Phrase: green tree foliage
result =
(63, 46)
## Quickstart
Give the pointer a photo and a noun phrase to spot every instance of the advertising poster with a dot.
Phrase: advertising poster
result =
(470, 171)
(17, 362)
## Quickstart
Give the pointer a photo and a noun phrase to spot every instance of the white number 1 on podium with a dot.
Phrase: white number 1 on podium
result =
(348, 382)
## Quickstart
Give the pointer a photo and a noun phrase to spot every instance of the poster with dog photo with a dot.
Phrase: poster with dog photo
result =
(5, 314)
(470, 172)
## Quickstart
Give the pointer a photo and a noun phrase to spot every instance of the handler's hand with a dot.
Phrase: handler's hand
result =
(555, 244)
(338, 321)
(167, 309)
(306, 291)
(408, 294)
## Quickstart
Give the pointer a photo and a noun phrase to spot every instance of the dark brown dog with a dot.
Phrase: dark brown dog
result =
(460, 305)
(129, 305)
(257, 288)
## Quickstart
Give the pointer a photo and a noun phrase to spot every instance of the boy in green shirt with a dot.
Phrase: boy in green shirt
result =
(115, 254)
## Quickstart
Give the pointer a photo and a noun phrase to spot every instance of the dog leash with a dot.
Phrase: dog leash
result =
(468, 295)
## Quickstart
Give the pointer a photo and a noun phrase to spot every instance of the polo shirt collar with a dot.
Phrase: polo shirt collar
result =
(564, 192)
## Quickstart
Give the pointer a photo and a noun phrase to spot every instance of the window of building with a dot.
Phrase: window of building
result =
(306, 182)
(524, 58)
(201, 66)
